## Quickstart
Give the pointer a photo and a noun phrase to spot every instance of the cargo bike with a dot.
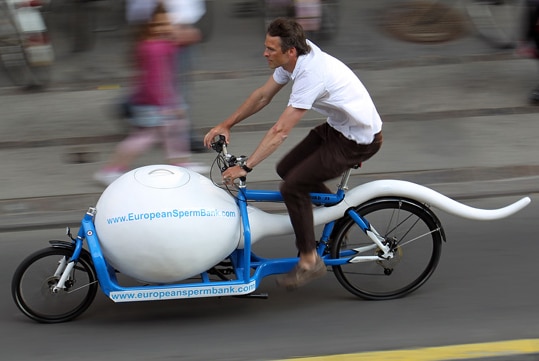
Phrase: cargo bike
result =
(179, 235)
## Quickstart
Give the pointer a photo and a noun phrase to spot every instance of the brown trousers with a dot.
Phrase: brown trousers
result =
(324, 154)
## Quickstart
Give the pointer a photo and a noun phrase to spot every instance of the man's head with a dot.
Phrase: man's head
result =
(285, 42)
(291, 34)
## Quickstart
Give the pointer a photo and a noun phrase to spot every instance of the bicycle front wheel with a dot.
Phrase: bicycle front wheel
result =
(414, 235)
(34, 280)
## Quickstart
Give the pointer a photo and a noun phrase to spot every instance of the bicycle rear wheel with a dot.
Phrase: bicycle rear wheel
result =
(415, 236)
(499, 22)
(34, 279)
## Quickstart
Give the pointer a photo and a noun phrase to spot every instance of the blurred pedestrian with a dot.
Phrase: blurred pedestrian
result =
(351, 134)
(156, 113)
(184, 14)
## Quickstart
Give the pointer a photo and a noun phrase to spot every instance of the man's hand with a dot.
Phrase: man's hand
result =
(214, 132)
(232, 173)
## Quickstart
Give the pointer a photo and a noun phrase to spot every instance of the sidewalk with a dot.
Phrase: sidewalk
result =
(459, 123)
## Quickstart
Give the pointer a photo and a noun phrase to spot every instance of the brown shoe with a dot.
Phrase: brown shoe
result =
(300, 276)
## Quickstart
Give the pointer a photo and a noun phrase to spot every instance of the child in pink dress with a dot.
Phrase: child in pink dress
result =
(156, 114)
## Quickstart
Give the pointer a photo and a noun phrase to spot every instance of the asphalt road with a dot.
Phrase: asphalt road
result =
(484, 290)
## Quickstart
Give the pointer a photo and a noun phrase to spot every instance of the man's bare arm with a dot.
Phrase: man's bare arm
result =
(276, 135)
(257, 100)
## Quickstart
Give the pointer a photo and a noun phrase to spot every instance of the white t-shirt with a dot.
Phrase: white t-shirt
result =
(326, 85)
(180, 11)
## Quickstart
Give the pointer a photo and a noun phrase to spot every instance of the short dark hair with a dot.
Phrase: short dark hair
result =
(291, 34)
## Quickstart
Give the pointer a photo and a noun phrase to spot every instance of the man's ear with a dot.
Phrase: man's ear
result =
(293, 52)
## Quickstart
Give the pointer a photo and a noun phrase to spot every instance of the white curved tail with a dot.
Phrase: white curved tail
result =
(423, 194)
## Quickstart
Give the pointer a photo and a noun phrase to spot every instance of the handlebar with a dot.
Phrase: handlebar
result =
(219, 145)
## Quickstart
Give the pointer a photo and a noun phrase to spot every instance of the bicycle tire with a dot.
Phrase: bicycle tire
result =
(497, 21)
(33, 280)
(399, 221)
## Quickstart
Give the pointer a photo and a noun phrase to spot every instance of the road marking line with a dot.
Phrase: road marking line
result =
(454, 352)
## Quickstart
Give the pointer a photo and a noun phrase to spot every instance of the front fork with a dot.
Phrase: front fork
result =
(65, 274)
(66, 266)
